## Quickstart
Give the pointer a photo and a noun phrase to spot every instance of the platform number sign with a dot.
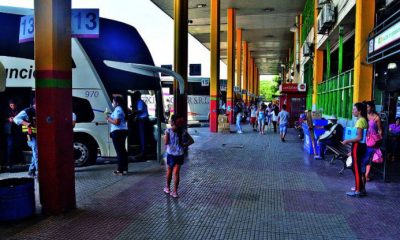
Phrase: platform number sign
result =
(85, 23)
(205, 82)
(26, 29)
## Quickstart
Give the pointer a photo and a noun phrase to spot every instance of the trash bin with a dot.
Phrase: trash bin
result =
(17, 198)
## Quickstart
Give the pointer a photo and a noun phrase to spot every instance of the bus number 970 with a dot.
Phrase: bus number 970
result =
(91, 94)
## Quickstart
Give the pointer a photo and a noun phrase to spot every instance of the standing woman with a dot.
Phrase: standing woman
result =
(374, 135)
(275, 113)
(119, 132)
(261, 118)
(358, 149)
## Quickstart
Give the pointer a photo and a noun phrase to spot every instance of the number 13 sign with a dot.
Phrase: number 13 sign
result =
(84, 24)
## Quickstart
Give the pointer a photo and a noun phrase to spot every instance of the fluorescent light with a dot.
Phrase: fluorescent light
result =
(392, 66)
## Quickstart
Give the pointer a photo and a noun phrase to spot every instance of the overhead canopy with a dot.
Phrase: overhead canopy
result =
(265, 27)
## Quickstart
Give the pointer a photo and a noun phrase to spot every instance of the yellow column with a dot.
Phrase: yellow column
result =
(180, 54)
(245, 64)
(300, 29)
(239, 58)
(231, 64)
(53, 82)
(214, 74)
(318, 68)
(363, 72)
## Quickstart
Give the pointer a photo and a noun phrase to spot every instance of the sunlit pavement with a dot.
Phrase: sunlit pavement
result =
(233, 186)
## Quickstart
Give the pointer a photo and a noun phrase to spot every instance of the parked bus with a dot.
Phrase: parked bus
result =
(94, 82)
(198, 91)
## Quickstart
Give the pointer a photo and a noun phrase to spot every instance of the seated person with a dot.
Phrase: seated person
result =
(394, 135)
(334, 133)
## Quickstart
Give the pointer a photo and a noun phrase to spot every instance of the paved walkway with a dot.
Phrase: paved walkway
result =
(233, 186)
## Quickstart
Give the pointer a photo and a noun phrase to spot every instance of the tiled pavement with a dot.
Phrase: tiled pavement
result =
(233, 186)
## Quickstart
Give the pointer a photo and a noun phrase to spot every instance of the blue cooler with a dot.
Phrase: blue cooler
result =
(351, 132)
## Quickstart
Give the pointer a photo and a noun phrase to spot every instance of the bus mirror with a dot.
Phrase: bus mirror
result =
(3, 77)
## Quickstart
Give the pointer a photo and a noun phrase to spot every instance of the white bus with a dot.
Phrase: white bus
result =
(198, 91)
(93, 81)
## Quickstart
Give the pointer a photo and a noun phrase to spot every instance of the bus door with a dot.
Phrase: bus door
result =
(133, 128)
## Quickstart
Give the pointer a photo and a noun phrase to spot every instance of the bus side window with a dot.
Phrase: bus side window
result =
(83, 110)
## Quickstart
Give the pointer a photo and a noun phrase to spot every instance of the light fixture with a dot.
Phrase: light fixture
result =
(269, 9)
(392, 66)
(201, 5)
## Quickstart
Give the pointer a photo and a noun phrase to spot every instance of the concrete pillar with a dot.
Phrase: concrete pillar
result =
(363, 72)
(180, 54)
(231, 64)
(54, 105)
(214, 73)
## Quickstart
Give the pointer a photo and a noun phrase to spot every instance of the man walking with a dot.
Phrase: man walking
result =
(283, 118)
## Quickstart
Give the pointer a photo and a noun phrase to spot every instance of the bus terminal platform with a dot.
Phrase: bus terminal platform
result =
(233, 186)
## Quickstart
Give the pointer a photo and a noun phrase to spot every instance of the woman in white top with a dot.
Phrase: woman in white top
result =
(275, 113)
(119, 132)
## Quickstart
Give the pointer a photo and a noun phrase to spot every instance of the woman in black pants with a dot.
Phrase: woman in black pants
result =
(358, 150)
(119, 132)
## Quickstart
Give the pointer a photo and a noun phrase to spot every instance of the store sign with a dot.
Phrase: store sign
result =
(84, 24)
(290, 87)
(388, 36)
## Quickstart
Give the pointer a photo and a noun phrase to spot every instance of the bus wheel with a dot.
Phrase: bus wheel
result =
(85, 153)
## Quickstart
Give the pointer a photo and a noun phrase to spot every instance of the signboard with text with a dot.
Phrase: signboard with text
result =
(85, 23)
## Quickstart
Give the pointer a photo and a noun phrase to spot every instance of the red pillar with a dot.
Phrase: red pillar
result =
(54, 105)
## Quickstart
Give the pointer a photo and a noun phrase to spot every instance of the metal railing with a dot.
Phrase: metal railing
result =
(335, 95)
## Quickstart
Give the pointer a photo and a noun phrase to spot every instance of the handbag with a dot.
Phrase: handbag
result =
(372, 139)
(377, 158)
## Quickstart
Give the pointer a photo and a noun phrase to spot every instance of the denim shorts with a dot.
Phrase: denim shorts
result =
(283, 128)
(174, 160)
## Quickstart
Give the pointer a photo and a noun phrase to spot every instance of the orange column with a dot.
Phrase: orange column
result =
(363, 73)
(318, 68)
(238, 58)
(251, 79)
(245, 68)
(214, 75)
(248, 76)
(231, 64)
(180, 54)
(54, 105)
